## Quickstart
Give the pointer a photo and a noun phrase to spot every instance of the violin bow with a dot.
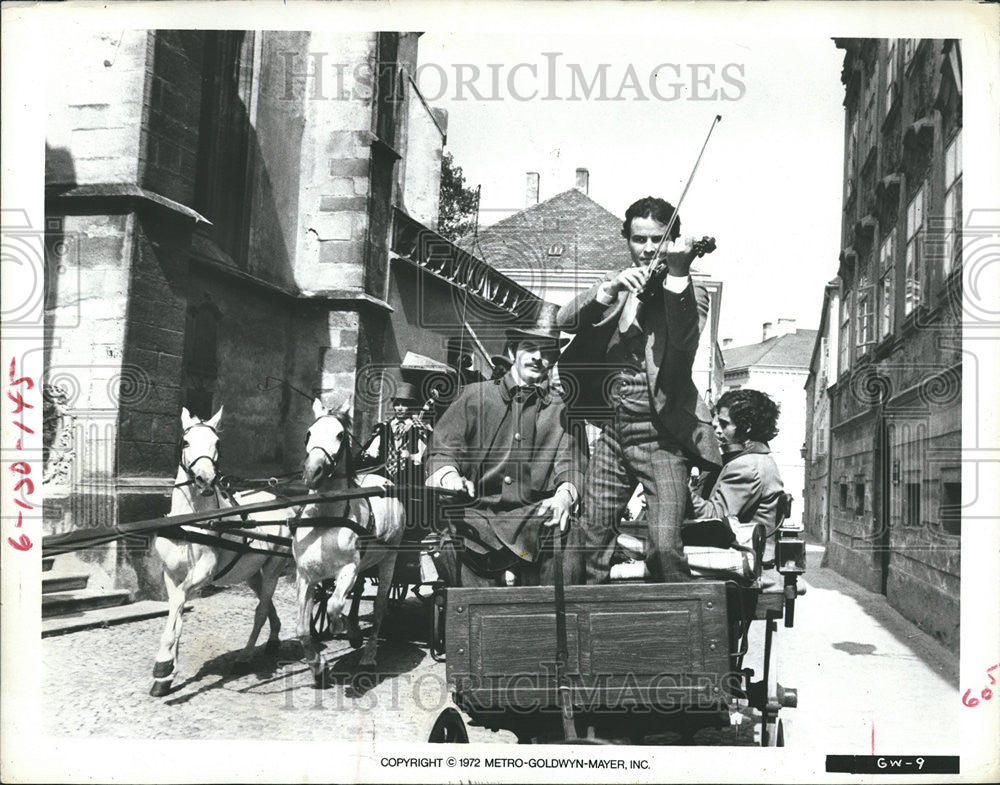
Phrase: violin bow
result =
(673, 218)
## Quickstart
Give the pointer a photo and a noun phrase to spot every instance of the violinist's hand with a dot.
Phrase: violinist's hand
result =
(684, 250)
(631, 279)
(680, 253)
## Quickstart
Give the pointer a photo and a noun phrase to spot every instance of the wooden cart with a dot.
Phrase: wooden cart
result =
(630, 662)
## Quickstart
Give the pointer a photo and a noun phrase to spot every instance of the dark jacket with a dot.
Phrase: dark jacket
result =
(671, 324)
(516, 452)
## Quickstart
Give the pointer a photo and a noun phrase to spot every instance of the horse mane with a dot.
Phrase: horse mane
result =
(345, 455)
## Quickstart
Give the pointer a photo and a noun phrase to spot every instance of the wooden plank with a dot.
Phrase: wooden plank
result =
(659, 643)
(524, 644)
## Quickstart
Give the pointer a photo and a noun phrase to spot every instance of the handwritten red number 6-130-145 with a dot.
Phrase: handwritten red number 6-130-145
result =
(986, 693)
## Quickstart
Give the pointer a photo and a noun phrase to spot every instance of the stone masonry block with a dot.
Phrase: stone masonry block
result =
(345, 253)
(340, 144)
(342, 320)
(349, 167)
(169, 367)
(338, 360)
(96, 252)
(337, 188)
(166, 429)
(156, 338)
(100, 142)
(335, 204)
(333, 226)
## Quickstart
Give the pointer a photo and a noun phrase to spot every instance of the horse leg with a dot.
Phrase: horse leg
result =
(263, 587)
(353, 628)
(346, 578)
(163, 668)
(386, 568)
(309, 651)
(269, 582)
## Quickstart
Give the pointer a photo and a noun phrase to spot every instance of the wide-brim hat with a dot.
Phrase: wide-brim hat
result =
(404, 391)
(542, 329)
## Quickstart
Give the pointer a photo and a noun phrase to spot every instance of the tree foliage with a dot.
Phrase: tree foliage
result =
(458, 205)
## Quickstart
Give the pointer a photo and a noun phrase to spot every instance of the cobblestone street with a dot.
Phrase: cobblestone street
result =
(847, 651)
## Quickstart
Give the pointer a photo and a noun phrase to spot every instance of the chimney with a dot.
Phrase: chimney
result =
(726, 342)
(767, 331)
(531, 190)
(786, 326)
(583, 180)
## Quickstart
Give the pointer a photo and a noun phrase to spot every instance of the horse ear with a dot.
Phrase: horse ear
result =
(186, 419)
(346, 407)
(318, 408)
(214, 422)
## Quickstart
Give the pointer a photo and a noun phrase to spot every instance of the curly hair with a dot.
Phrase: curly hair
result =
(651, 207)
(755, 414)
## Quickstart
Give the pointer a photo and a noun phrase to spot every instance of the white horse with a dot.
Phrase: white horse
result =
(188, 566)
(340, 552)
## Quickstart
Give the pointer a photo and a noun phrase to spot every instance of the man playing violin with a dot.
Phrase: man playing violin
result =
(636, 335)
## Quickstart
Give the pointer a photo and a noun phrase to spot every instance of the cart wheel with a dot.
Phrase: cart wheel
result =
(319, 622)
(449, 728)
(772, 734)
(397, 592)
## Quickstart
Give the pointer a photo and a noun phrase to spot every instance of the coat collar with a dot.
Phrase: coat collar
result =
(507, 385)
(752, 447)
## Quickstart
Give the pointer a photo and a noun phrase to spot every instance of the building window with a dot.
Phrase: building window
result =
(852, 154)
(912, 511)
(222, 192)
(890, 76)
(951, 508)
(886, 290)
(820, 447)
(914, 260)
(859, 498)
(864, 332)
(868, 140)
(953, 205)
(200, 362)
(843, 495)
(845, 332)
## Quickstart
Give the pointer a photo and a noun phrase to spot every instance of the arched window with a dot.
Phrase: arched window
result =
(200, 362)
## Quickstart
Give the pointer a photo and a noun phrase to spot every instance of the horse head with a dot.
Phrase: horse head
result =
(327, 453)
(200, 451)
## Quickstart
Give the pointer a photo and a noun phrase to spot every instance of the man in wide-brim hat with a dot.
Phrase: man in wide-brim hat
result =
(505, 447)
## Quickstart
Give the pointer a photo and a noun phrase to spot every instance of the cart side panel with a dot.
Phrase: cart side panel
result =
(664, 645)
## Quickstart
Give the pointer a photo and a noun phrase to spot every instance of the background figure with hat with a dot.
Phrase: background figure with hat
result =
(505, 448)
(399, 443)
(636, 337)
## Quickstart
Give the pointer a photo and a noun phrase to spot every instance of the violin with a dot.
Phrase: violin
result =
(658, 267)
(699, 248)
(428, 406)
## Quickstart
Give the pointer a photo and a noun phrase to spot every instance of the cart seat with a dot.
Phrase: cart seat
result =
(715, 548)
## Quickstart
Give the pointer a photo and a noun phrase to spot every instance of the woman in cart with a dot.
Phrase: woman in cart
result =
(749, 485)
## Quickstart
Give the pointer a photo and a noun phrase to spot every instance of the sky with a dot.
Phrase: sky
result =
(768, 187)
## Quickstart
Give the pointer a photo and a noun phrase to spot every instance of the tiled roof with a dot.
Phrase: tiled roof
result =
(588, 235)
(793, 350)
